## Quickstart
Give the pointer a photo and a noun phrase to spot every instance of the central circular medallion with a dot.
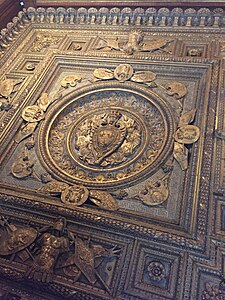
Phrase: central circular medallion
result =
(107, 140)
(107, 135)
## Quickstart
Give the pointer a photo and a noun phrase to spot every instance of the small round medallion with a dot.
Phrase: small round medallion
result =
(123, 72)
(32, 113)
(75, 195)
(187, 134)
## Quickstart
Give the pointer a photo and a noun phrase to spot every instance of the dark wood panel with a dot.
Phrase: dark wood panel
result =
(8, 10)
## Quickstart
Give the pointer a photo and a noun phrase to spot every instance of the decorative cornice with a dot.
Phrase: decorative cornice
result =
(12, 30)
(150, 17)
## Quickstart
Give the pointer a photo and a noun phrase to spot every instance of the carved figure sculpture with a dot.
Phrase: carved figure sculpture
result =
(52, 245)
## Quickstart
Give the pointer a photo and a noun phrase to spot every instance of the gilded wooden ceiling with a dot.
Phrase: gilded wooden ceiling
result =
(112, 154)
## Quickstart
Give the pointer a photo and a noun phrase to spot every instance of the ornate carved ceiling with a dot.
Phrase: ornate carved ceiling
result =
(112, 154)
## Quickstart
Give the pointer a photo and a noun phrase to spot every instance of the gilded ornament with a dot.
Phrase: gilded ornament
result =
(43, 101)
(76, 47)
(104, 74)
(85, 260)
(52, 243)
(103, 199)
(111, 43)
(25, 131)
(54, 187)
(107, 139)
(181, 155)
(23, 166)
(105, 136)
(153, 45)
(187, 134)
(17, 240)
(29, 143)
(155, 193)
(32, 113)
(44, 41)
(76, 195)
(123, 72)
(176, 89)
(30, 66)
(70, 80)
(7, 87)
(187, 117)
(194, 52)
(70, 268)
(143, 76)
(135, 43)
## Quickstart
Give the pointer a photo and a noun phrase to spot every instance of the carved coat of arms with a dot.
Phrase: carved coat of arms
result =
(107, 139)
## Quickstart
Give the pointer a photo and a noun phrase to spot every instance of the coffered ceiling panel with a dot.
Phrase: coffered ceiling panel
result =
(112, 154)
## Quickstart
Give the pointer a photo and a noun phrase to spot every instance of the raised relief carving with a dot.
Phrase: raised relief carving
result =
(188, 134)
(32, 114)
(30, 66)
(135, 43)
(176, 89)
(7, 88)
(23, 166)
(156, 270)
(52, 243)
(44, 41)
(107, 139)
(103, 74)
(15, 240)
(155, 193)
(86, 259)
(54, 250)
(70, 80)
(25, 131)
(76, 195)
(185, 134)
(146, 77)
(125, 72)
(106, 136)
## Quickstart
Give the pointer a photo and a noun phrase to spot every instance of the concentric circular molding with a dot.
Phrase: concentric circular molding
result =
(106, 135)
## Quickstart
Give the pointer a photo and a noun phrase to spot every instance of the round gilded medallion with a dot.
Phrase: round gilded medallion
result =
(187, 134)
(75, 194)
(32, 113)
(107, 135)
